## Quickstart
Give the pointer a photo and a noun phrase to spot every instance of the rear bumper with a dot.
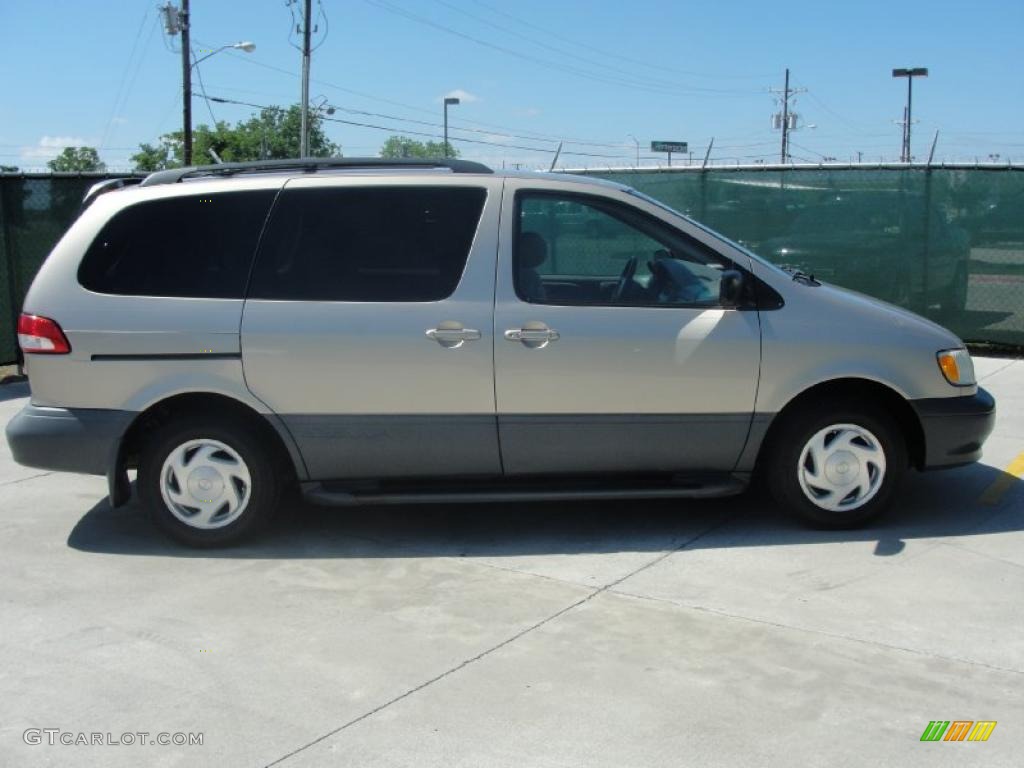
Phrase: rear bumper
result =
(955, 428)
(83, 440)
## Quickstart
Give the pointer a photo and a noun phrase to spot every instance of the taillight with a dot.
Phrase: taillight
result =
(41, 336)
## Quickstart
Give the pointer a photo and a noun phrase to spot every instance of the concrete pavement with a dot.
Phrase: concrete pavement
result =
(583, 634)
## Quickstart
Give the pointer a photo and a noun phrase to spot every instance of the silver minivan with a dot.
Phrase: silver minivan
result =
(370, 332)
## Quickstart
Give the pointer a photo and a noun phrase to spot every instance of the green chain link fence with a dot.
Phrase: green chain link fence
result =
(945, 242)
(35, 210)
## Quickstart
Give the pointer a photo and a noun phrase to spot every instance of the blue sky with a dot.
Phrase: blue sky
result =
(531, 72)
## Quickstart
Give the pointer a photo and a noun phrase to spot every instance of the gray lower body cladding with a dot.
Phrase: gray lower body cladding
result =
(393, 446)
(541, 444)
(83, 440)
(955, 428)
(337, 447)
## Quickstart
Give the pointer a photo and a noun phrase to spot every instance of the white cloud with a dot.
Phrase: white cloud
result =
(464, 96)
(531, 112)
(51, 146)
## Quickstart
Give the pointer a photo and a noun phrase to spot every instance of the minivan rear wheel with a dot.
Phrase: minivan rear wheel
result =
(208, 483)
(838, 465)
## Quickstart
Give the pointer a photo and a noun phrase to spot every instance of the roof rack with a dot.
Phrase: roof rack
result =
(108, 185)
(310, 165)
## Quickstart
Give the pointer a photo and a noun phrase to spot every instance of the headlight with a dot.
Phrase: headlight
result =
(958, 368)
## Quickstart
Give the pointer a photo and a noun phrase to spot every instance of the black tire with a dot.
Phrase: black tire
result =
(782, 465)
(248, 442)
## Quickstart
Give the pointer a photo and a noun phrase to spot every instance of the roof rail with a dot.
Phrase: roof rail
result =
(109, 185)
(310, 165)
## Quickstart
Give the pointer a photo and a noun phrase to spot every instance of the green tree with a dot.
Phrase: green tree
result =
(271, 134)
(403, 146)
(77, 160)
(151, 158)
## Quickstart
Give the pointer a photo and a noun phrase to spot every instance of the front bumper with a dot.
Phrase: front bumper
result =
(955, 428)
(83, 440)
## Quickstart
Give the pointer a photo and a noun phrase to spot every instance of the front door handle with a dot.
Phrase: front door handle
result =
(535, 338)
(452, 338)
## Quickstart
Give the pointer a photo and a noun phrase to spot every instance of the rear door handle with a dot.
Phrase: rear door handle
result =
(452, 338)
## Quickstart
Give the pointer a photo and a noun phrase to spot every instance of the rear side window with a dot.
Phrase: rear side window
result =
(197, 246)
(367, 244)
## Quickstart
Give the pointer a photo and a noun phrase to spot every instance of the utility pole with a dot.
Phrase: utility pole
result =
(186, 82)
(910, 73)
(785, 120)
(307, 30)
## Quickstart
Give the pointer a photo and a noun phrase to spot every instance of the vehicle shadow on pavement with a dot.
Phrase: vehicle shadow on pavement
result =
(13, 388)
(929, 505)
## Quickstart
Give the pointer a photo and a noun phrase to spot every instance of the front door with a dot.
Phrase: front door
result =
(367, 326)
(612, 351)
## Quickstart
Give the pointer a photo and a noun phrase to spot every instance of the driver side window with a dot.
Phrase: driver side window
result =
(585, 250)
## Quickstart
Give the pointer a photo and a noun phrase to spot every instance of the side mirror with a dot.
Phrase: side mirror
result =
(730, 290)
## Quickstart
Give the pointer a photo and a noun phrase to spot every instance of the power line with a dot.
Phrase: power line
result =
(586, 74)
(128, 68)
(611, 54)
(202, 88)
(524, 133)
(556, 49)
(430, 124)
(391, 129)
(806, 149)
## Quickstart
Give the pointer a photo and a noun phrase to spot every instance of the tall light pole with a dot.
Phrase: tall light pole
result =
(910, 73)
(246, 45)
(448, 101)
(637, 142)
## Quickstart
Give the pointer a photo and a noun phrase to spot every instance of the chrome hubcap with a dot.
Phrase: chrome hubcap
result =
(205, 483)
(841, 467)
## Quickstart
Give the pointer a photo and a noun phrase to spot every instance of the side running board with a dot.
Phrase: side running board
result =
(332, 495)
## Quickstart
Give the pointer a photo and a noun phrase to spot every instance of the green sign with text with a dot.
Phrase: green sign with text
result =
(669, 146)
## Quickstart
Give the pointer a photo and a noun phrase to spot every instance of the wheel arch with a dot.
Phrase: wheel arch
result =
(218, 406)
(853, 388)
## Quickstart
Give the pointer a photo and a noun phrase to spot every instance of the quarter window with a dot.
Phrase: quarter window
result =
(380, 244)
(584, 250)
(199, 246)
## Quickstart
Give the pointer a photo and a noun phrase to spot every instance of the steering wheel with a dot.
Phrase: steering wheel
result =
(627, 274)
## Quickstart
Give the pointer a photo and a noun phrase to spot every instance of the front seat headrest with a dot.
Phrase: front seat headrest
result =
(532, 250)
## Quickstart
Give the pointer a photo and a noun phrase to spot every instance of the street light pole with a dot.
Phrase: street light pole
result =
(910, 73)
(186, 83)
(448, 101)
(246, 46)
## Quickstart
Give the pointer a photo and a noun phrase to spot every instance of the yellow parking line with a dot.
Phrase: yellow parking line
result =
(1011, 475)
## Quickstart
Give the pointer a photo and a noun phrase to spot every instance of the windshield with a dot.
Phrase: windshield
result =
(669, 209)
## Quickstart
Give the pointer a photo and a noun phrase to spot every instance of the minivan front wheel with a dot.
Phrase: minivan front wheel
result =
(207, 483)
(837, 467)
